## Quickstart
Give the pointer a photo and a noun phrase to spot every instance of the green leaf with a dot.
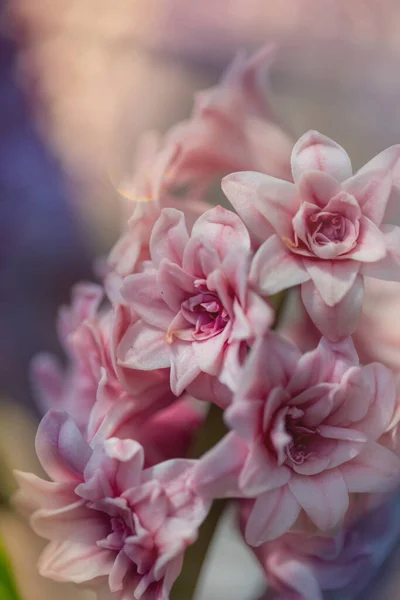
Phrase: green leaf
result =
(8, 590)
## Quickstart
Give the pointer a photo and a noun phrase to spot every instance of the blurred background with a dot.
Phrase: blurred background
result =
(79, 81)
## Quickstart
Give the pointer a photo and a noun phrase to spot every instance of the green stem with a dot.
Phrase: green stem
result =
(184, 588)
(186, 584)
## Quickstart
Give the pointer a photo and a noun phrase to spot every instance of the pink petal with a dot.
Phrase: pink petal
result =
(243, 201)
(260, 472)
(296, 575)
(387, 268)
(318, 188)
(144, 347)
(75, 523)
(332, 278)
(341, 433)
(47, 381)
(276, 268)
(339, 321)
(388, 161)
(169, 237)
(210, 389)
(324, 497)
(75, 562)
(37, 493)
(372, 190)
(209, 353)
(216, 473)
(174, 285)
(328, 362)
(273, 514)
(375, 469)
(221, 229)
(184, 366)
(141, 292)
(200, 259)
(61, 449)
(316, 152)
(274, 198)
(371, 243)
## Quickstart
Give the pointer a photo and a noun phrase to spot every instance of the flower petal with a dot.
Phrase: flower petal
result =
(274, 198)
(318, 188)
(276, 268)
(371, 243)
(61, 449)
(317, 152)
(324, 497)
(387, 268)
(184, 366)
(273, 514)
(73, 562)
(221, 229)
(375, 469)
(260, 472)
(372, 190)
(339, 321)
(141, 292)
(216, 473)
(169, 237)
(144, 347)
(75, 523)
(242, 199)
(332, 278)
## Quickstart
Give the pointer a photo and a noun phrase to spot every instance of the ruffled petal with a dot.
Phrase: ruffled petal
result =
(388, 268)
(375, 469)
(273, 514)
(332, 278)
(317, 152)
(169, 237)
(144, 347)
(276, 268)
(216, 473)
(324, 497)
(275, 199)
(337, 322)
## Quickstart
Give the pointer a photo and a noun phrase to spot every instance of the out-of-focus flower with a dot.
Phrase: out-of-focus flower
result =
(89, 336)
(305, 434)
(232, 128)
(329, 230)
(111, 523)
(302, 566)
(196, 308)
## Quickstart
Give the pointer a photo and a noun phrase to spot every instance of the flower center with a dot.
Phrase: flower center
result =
(206, 311)
(116, 538)
(325, 227)
(289, 437)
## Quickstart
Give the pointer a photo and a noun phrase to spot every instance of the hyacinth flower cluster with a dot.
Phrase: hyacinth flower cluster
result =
(253, 312)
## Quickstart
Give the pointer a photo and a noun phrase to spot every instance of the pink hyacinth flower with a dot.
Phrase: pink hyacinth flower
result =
(329, 230)
(305, 433)
(232, 127)
(93, 381)
(145, 193)
(112, 525)
(306, 567)
(197, 311)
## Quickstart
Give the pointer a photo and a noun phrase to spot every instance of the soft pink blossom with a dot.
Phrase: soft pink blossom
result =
(232, 127)
(198, 313)
(305, 433)
(329, 230)
(112, 524)
(304, 566)
(150, 188)
(90, 336)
